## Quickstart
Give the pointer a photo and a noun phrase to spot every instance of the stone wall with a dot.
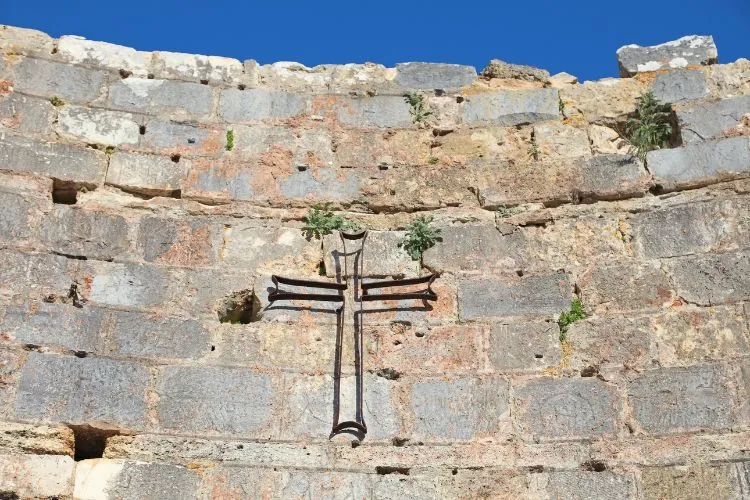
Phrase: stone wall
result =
(127, 224)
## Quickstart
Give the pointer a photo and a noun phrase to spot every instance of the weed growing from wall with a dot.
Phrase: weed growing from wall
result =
(230, 140)
(419, 112)
(649, 129)
(420, 236)
(567, 318)
(321, 220)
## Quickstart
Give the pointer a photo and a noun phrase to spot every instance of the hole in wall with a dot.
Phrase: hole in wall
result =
(539, 356)
(204, 82)
(590, 371)
(241, 307)
(213, 348)
(301, 168)
(383, 470)
(89, 442)
(175, 158)
(454, 471)
(65, 193)
(241, 86)
(321, 268)
(399, 441)
(80, 354)
(150, 76)
(9, 495)
(594, 466)
(125, 73)
(519, 272)
(142, 130)
(388, 374)
(459, 99)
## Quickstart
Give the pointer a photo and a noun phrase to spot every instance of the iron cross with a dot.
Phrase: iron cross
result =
(334, 292)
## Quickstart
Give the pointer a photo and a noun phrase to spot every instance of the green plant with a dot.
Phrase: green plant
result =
(420, 236)
(649, 129)
(230, 140)
(433, 160)
(534, 151)
(504, 211)
(350, 226)
(560, 105)
(109, 150)
(419, 112)
(567, 318)
(56, 101)
(321, 220)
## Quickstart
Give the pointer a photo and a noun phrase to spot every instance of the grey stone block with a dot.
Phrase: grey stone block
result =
(324, 485)
(259, 104)
(613, 176)
(378, 112)
(528, 296)
(686, 51)
(16, 40)
(78, 50)
(14, 218)
(268, 248)
(626, 286)
(460, 409)
(611, 342)
(36, 275)
(680, 85)
(180, 99)
(309, 148)
(700, 163)
(129, 285)
(712, 279)
(184, 137)
(36, 476)
(51, 79)
(148, 174)
(70, 389)
(692, 481)
(214, 400)
(565, 408)
(382, 257)
(98, 126)
(153, 336)
(524, 346)
(196, 67)
(189, 242)
(132, 479)
(428, 76)
(588, 485)
(55, 325)
(711, 120)
(682, 399)
(511, 107)
(27, 115)
(61, 161)
(87, 233)
(501, 69)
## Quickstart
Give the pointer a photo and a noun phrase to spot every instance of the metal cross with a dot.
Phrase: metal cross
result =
(362, 293)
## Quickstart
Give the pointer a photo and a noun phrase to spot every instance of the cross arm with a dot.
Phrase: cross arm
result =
(424, 294)
(281, 294)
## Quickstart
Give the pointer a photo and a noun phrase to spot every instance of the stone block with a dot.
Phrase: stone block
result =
(35, 276)
(173, 98)
(16, 217)
(712, 279)
(392, 148)
(55, 325)
(87, 233)
(70, 389)
(611, 342)
(78, 50)
(560, 409)
(27, 115)
(156, 336)
(323, 485)
(295, 77)
(97, 126)
(12, 360)
(17, 438)
(372, 112)
(127, 285)
(383, 256)
(197, 68)
(686, 51)
(14, 40)
(679, 86)
(102, 478)
(711, 120)
(396, 486)
(626, 286)
(259, 104)
(682, 399)
(61, 161)
(147, 174)
(524, 346)
(612, 177)
(202, 291)
(700, 164)
(36, 476)
(610, 98)
(507, 71)
(693, 481)
(428, 76)
(511, 108)
(168, 137)
(528, 296)
(460, 409)
(605, 140)
(283, 250)
(51, 79)
(215, 400)
(586, 485)
(729, 80)
(477, 147)
(557, 140)
(304, 148)
(187, 242)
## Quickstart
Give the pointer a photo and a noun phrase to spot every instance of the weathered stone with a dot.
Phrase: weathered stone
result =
(259, 104)
(460, 409)
(586, 485)
(384, 256)
(395, 487)
(305, 148)
(680, 85)
(611, 342)
(204, 290)
(428, 76)
(33, 439)
(70, 389)
(729, 80)
(296, 77)
(269, 249)
(565, 408)
(695, 481)
(487, 144)
(680, 53)
(213, 400)
(27, 115)
(392, 148)
(501, 69)
(155, 336)
(712, 279)
(129, 285)
(15, 217)
(36, 476)
(178, 99)
(511, 107)
(168, 136)
(346, 78)
(50, 79)
(524, 346)
(86, 233)
(78, 50)
(324, 485)
(527, 296)
(101, 478)
(608, 177)
(61, 161)
(562, 80)
(14, 40)
(605, 140)
(373, 112)
(192, 242)
(701, 163)
(35, 275)
(557, 140)
(605, 99)
(626, 286)
(196, 67)
(55, 325)
(711, 120)
(682, 399)
(148, 174)
(110, 128)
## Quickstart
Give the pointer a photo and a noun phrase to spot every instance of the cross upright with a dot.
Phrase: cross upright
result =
(363, 292)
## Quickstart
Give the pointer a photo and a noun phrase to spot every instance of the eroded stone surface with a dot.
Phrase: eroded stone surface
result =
(688, 50)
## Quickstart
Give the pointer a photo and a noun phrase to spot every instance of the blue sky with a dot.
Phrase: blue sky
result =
(577, 36)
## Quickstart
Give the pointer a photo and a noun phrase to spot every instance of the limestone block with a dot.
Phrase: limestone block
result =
(128, 285)
(155, 336)
(346, 78)
(14, 40)
(605, 140)
(501, 69)
(259, 104)
(711, 120)
(214, 400)
(510, 108)
(712, 279)
(557, 140)
(164, 97)
(383, 256)
(78, 50)
(696, 481)
(269, 249)
(70, 389)
(27, 115)
(51, 79)
(197, 68)
(63, 325)
(15, 218)
(680, 85)
(700, 163)
(460, 409)
(545, 295)
(168, 137)
(101, 478)
(324, 485)
(729, 80)
(392, 148)
(524, 346)
(186, 242)
(682, 399)
(36, 476)
(565, 408)
(372, 112)
(685, 51)
(614, 176)
(35, 275)
(305, 148)
(626, 286)
(428, 76)
(88, 233)
(584, 485)
(97, 126)
(611, 342)
(610, 98)
(148, 174)
(17, 438)
(296, 77)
